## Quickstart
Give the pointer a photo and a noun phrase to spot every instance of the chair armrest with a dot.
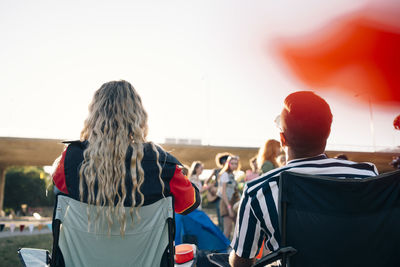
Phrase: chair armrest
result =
(276, 255)
(219, 259)
(34, 257)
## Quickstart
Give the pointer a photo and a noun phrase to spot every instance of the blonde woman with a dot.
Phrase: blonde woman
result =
(267, 155)
(113, 166)
(228, 191)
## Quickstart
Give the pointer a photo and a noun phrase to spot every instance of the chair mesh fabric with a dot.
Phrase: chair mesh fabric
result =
(84, 244)
(342, 222)
(31, 257)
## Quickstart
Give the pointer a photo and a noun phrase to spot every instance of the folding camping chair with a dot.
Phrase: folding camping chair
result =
(338, 222)
(145, 242)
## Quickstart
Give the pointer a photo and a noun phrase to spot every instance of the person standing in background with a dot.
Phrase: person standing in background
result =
(194, 176)
(267, 155)
(254, 171)
(228, 192)
(185, 170)
(281, 159)
(341, 156)
(213, 184)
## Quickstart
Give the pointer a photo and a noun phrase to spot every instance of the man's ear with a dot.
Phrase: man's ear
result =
(283, 139)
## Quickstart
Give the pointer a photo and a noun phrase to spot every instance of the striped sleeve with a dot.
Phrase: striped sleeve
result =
(257, 220)
(265, 206)
(244, 227)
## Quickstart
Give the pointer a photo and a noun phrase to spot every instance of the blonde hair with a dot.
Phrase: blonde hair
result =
(267, 152)
(116, 121)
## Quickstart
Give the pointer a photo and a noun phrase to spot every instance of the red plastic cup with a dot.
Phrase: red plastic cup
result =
(183, 253)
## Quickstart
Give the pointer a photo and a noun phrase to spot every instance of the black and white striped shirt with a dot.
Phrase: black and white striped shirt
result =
(258, 216)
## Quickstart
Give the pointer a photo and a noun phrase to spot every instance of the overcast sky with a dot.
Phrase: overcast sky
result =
(204, 69)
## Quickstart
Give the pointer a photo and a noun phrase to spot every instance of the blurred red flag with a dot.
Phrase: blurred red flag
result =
(358, 54)
(396, 122)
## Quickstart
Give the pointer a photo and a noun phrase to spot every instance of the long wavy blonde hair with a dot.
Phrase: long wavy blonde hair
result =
(116, 121)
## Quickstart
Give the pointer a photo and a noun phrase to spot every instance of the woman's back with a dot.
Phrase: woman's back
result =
(151, 187)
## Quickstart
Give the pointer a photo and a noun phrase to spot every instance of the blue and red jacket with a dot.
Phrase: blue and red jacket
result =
(186, 196)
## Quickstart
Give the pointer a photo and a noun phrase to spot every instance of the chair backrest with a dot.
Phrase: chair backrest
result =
(341, 222)
(143, 244)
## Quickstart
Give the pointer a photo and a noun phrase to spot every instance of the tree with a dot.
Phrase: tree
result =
(27, 185)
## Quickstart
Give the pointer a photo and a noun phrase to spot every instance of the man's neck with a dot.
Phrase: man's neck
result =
(291, 155)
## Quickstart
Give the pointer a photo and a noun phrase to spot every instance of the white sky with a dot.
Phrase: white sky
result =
(203, 68)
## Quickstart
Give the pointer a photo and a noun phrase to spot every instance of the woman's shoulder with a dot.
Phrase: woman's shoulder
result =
(75, 146)
(163, 156)
(267, 163)
(149, 153)
(267, 166)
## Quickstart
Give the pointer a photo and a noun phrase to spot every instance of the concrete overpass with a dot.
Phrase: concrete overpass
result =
(42, 152)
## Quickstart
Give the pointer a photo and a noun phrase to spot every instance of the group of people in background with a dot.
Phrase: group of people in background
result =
(222, 187)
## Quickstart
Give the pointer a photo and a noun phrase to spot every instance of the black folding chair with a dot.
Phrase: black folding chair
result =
(338, 222)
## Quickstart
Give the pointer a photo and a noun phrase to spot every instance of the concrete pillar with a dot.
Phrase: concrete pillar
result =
(2, 185)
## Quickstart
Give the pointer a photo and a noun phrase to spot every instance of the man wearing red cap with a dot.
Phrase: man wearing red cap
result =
(305, 127)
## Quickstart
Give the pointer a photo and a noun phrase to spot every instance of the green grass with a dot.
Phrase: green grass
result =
(10, 245)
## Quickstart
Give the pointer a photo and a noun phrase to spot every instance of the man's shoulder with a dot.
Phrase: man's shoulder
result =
(264, 181)
(364, 164)
(320, 165)
(359, 165)
(346, 168)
